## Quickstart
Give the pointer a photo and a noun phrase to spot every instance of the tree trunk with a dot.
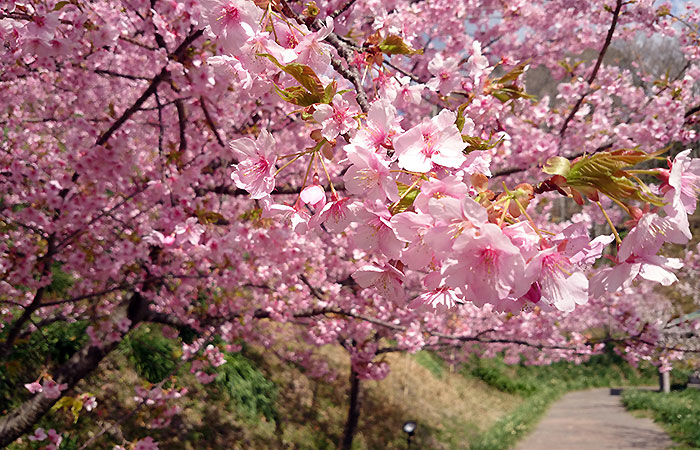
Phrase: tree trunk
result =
(353, 411)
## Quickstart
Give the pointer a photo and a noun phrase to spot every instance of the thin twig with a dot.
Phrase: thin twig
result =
(599, 62)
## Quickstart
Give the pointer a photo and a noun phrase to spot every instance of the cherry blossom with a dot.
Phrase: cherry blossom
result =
(256, 171)
(336, 118)
(369, 175)
(487, 267)
(233, 21)
(435, 141)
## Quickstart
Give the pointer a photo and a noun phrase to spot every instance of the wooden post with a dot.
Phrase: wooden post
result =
(665, 381)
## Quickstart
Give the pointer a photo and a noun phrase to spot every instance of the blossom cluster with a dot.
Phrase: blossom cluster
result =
(416, 195)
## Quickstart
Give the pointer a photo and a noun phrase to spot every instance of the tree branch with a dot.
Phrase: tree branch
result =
(178, 53)
(210, 122)
(606, 44)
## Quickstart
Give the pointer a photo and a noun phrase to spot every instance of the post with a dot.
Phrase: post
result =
(665, 381)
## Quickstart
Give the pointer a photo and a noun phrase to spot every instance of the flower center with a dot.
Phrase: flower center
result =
(429, 142)
(339, 115)
(230, 14)
(489, 256)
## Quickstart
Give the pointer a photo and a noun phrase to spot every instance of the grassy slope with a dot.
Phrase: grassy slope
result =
(678, 412)
(265, 403)
(451, 410)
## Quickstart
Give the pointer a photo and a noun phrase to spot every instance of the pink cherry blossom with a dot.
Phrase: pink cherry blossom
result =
(651, 267)
(159, 239)
(336, 215)
(33, 387)
(382, 124)
(369, 176)
(375, 231)
(191, 231)
(452, 219)
(233, 21)
(683, 181)
(336, 118)
(312, 51)
(256, 171)
(51, 389)
(488, 267)
(146, 443)
(386, 280)
(559, 283)
(445, 73)
(313, 195)
(411, 227)
(39, 435)
(90, 403)
(477, 64)
(436, 188)
(435, 141)
(649, 235)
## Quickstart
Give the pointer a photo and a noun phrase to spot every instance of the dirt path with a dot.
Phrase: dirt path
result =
(592, 420)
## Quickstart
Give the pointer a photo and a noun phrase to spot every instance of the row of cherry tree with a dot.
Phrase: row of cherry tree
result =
(373, 172)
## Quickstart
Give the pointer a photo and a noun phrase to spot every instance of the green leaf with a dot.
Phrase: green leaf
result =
(394, 45)
(460, 116)
(60, 5)
(305, 75)
(510, 92)
(63, 402)
(406, 199)
(329, 92)
(557, 165)
(604, 172)
(476, 143)
(299, 96)
(76, 408)
(513, 75)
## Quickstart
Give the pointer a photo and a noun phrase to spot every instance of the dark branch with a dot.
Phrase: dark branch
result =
(163, 75)
(210, 121)
(601, 55)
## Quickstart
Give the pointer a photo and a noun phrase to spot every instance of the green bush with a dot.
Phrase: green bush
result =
(54, 345)
(251, 393)
(498, 378)
(154, 357)
(678, 411)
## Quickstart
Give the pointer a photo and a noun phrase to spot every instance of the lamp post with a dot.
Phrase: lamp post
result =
(409, 428)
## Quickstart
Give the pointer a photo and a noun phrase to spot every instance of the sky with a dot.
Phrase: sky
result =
(678, 4)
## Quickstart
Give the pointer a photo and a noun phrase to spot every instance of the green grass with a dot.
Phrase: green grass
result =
(542, 385)
(678, 412)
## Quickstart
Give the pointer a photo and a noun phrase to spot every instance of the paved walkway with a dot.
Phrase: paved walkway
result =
(592, 420)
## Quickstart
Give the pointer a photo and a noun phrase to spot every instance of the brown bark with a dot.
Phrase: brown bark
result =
(353, 411)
